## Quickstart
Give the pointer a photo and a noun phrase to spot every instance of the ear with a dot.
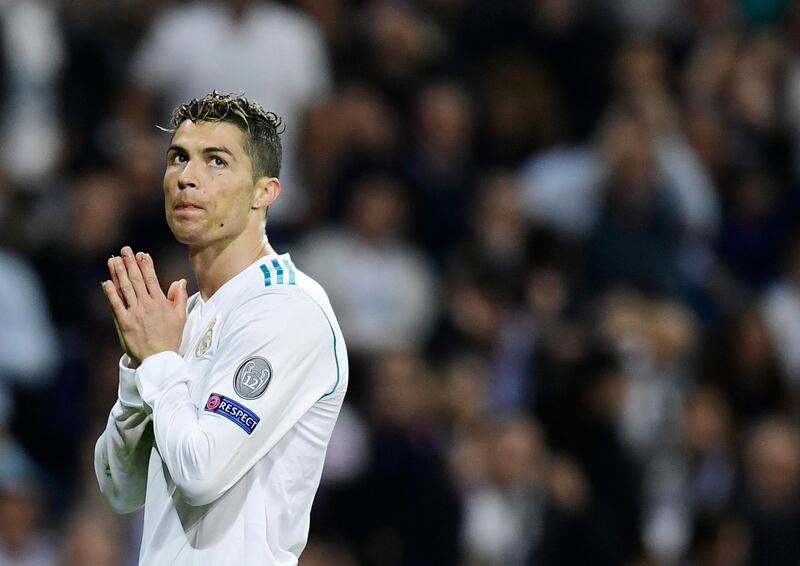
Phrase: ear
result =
(265, 192)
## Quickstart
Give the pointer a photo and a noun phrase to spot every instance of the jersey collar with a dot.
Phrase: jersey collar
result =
(266, 270)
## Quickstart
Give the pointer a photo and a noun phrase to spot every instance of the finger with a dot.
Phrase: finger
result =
(182, 297)
(134, 273)
(117, 306)
(149, 274)
(172, 292)
(121, 338)
(124, 283)
(114, 278)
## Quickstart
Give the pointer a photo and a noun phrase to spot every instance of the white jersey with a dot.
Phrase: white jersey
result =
(224, 442)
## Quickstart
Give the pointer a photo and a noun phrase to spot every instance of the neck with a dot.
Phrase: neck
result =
(215, 264)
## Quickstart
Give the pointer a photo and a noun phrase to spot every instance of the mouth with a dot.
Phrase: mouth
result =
(187, 207)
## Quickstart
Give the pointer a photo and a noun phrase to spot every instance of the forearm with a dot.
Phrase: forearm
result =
(123, 450)
(121, 457)
(195, 455)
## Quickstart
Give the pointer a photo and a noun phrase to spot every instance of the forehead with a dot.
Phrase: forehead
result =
(209, 134)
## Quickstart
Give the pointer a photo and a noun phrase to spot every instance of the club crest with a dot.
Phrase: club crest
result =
(252, 377)
(205, 342)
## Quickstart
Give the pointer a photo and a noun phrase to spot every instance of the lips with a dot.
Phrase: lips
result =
(187, 206)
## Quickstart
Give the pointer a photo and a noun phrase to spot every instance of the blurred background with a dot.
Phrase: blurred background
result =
(561, 238)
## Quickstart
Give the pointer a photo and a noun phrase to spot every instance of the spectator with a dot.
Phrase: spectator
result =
(440, 168)
(92, 540)
(757, 225)
(28, 346)
(24, 539)
(411, 511)
(563, 187)
(30, 129)
(771, 498)
(503, 515)
(781, 312)
(603, 495)
(381, 286)
(720, 541)
(29, 352)
(638, 233)
(742, 363)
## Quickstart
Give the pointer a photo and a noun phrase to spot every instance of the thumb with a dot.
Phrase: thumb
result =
(182, 296)
(172, 293)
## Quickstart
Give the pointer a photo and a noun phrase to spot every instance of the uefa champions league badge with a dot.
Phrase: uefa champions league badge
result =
(205, 342)
(252, 377)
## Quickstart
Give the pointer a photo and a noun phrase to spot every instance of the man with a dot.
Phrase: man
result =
(227, 399)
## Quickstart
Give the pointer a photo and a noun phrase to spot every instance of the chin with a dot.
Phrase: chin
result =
(188, 238)
(184, 236)
(187, 241)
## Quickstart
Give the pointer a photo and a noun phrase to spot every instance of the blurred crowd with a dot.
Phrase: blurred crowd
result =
(560, 236)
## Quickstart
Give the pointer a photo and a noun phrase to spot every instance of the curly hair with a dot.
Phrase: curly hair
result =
(263, 129)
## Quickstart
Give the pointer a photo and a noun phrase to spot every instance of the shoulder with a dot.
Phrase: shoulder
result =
(284, 312)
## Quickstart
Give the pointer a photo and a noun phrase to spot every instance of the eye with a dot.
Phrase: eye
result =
(217, 161)
(177, 158)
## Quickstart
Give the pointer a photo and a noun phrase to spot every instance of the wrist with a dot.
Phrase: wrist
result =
(127, 392)
(155, 352)
(157, 373)
(129, 362)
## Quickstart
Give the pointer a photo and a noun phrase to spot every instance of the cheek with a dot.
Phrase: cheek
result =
(231, 209)
(170, 187)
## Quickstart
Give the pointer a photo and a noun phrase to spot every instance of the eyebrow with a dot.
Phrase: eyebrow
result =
(206, 150)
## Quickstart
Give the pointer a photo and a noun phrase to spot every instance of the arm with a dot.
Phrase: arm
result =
(122, 452)
(208, 450)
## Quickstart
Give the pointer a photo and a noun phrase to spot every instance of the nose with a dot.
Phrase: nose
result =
(188, 176)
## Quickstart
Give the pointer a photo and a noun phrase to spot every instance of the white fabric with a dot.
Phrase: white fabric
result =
(384, 292)
(791, 104)
(562, 187)
(781, 311)
(28, 343)
(273, 54)
(31, 134)
(212, 492)
(691, 184)
(501, 526)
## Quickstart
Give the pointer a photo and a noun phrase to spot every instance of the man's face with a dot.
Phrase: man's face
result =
(208, 183)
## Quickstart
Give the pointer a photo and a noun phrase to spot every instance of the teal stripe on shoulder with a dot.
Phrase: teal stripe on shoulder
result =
(290, 269)
(278, 270)
(267, 275)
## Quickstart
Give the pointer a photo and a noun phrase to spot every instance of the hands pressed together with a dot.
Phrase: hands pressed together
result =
(147, 321)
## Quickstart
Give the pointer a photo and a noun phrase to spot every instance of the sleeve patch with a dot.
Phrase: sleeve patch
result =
(233, 411)
(252, 377)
